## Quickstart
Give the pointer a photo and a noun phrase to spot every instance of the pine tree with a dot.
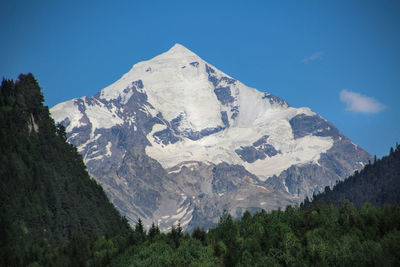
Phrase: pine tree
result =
(153, 231)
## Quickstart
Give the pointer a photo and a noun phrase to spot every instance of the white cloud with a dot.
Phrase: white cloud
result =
(315, 56)
(360, 103)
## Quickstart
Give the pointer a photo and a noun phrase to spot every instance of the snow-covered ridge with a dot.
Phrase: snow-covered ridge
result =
(80, 112)
(68, 110)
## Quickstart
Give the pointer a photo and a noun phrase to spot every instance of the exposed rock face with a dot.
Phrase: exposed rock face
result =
(259, 150)
(176, 140)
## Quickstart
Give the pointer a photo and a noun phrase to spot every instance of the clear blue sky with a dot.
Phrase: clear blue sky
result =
(306, 52)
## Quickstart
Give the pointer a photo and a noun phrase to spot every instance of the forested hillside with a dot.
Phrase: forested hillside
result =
(46, 195)
(378, 183)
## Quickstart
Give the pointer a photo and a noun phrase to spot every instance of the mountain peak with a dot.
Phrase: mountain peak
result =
(179, 51)
(178, 48)
(176, 110)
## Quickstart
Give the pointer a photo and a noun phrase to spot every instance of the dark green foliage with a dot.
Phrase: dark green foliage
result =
(378, 183)
(199, 235)
(319, 235)
(139, 231)
(172, 249)
(154, 231)
(46, 194)
(175, 236)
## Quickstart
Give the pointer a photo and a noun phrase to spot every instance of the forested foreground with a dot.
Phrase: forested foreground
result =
(320, 235)
(53, 214)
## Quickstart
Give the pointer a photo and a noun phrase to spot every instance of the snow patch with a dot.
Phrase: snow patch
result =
(108, 149)
(180, 214)
(284, 184)
(68, 110)
(99, 157)
(101, 117)
(189, 218)
(177, 169)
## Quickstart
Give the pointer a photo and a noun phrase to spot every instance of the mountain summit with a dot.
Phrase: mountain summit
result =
(179, 50)
(177, 140)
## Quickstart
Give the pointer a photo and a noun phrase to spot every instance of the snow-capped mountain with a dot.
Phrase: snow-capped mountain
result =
(177, 140)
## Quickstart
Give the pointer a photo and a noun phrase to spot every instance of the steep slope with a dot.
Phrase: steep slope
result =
(182, 118)
(378, 183)
(46, 194)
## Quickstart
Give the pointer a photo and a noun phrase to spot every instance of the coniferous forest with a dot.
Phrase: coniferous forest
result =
(53, 214)
(46, 195)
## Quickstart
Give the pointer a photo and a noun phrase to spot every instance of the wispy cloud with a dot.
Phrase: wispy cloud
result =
(315, 56)
(357, 102)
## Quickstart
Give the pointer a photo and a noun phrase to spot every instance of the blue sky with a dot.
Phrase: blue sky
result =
(340, 58)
